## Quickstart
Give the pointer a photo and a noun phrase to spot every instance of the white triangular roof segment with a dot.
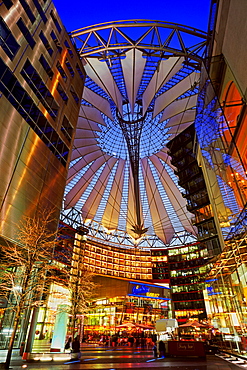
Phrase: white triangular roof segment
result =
(179, 106)
(112, 211)
(133, 66)
(91, 205)
(175, 196)
(184, 117)
(92, 114)
(97, 101)
(167, 69)
(85, 150)
(85, 124)
(179, 128)
(99, 72)
(170, 95)
(84, 161)
(78, 189)
(131, 211)
(161, 222)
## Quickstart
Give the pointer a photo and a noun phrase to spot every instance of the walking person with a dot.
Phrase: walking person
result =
(67, 347)
(76, 347)
(155, 351)
(161, 348)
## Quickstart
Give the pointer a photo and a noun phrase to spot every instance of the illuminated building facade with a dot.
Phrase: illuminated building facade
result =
(122, 300)
(41, 82)
(139, 95)
(224, 95)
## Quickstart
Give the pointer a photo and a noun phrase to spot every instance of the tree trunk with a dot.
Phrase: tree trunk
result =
(17, 318)
(12, 338)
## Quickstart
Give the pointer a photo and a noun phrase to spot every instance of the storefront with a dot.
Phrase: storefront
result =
(119, 301)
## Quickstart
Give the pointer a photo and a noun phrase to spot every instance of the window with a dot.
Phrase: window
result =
(62, 93)
(61, 71)
(46, 43)
(8, 3)
(56, 21)
(57, 43)
(26, 33)
(40, 10)
(26, 107)
(37, 85)
(80, 71)
(66, 128)
(68, 48)
(7, 40)
(28, 10)
(46, 66)
(70, 69)
(75, 96)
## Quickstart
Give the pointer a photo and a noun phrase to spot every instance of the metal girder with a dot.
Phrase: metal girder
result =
(93, 41)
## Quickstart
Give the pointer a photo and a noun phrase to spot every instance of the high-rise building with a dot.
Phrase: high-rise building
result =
(41, 82)
(41, 79)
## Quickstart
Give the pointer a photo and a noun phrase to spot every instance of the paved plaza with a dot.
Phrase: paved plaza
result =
(128, 358)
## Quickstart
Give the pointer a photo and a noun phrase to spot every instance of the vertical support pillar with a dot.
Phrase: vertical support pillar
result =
(60, 329)
(31, 333)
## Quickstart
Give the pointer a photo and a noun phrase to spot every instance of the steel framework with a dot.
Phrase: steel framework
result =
(140, 91)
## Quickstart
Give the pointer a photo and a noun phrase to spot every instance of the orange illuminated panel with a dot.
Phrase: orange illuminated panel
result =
(232, 106)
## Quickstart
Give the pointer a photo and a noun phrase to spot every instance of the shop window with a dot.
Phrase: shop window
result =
(46, 43)
(40, 10)
(26, 33)
(28, 10)
(7, 40)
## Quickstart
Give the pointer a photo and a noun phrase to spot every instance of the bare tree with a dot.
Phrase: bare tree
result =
(82, 289)
(24, 266)
(79, 281)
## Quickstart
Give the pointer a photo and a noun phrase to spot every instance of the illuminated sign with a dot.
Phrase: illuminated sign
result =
(140, 289)
(146, 291)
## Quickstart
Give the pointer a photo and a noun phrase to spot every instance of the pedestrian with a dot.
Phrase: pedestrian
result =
(155, 352)
(76, 347)
(67, 347)
(162, 348)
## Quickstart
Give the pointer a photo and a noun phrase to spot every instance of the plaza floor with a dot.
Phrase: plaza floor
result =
(128, 358)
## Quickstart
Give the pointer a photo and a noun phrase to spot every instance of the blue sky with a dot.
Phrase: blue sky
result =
(77, 14)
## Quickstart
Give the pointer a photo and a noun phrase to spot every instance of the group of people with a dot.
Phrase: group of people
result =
(130, 341)
(73, 346)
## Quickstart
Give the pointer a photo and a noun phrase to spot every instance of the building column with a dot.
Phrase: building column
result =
(60, 329)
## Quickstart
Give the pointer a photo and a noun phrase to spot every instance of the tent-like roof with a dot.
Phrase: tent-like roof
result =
(140, 91)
